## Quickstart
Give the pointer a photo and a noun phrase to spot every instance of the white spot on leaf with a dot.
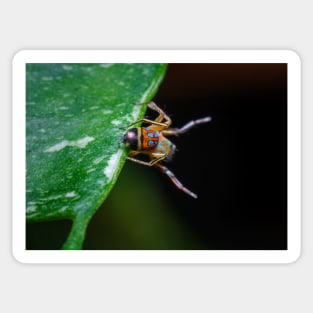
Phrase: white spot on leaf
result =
(100, 182)
(71, 194)
(112, 164)
(31, 209)
(67, 67)
(98, 160)
(135, 112)
(58, 146)
(80, 143)
(116, 122)
(106, 65)
(52, 197)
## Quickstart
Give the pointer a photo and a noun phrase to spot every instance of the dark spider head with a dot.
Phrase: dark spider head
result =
(131, 138)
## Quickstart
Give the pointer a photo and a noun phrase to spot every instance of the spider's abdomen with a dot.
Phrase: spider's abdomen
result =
(166, 147)
(149, 138)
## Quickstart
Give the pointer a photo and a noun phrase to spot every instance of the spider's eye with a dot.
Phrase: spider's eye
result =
(131, 138)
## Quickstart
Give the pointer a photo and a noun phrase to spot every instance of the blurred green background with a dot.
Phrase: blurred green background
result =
(137, 215)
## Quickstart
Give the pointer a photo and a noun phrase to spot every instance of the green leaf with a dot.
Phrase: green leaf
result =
(74, 116)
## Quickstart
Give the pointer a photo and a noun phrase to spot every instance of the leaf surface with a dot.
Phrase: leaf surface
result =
(74, 115)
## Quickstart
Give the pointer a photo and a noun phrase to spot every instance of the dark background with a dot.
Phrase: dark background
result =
(236, 164)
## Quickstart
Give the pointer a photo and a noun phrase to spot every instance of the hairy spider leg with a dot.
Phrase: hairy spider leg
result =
(162, 115)
(145, 120)
(157, 159)
(156, 124)
(186, 127)
(175, 181)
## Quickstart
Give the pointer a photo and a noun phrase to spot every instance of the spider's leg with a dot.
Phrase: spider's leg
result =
(162, 116)
(156, 124)
(151, 163)
(186, 127)
(175, 181)
(145, 120)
